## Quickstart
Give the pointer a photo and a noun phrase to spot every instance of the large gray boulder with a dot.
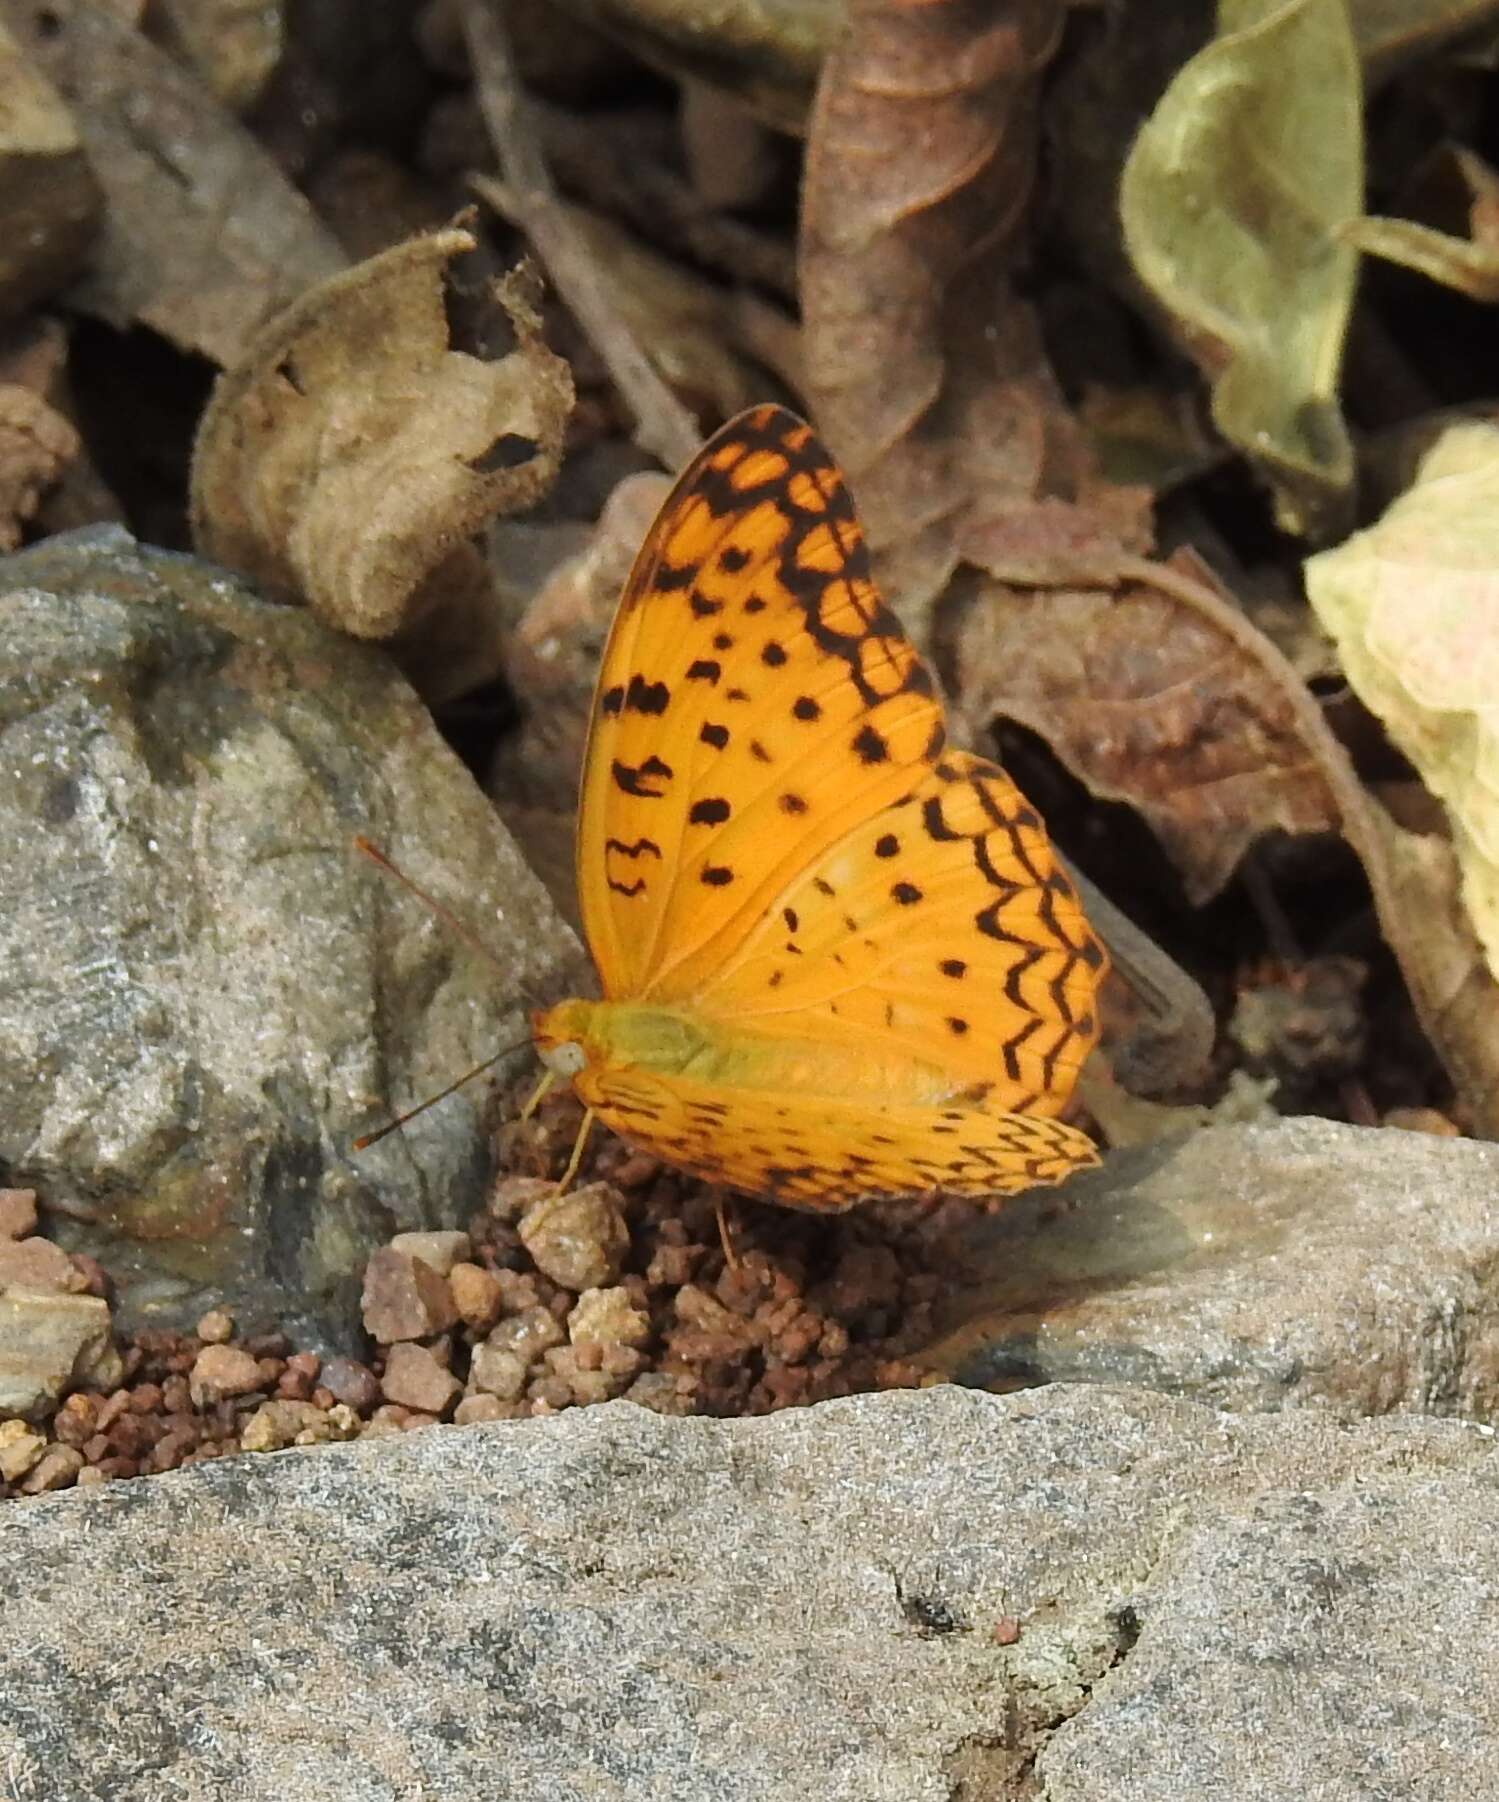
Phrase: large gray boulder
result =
(204, 994)
(1082, 1594)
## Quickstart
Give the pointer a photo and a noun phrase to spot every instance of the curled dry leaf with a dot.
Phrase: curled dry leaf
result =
(922, 366)
(352, 456)
(36, 445)
(1237, 200)
(1413, 603)
(203, 236)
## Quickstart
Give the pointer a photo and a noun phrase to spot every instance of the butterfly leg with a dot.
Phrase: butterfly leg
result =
(726, 1233)
(548, 1077)
(577, 1156)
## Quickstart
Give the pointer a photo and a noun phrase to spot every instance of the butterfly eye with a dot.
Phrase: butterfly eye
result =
(566, 1059)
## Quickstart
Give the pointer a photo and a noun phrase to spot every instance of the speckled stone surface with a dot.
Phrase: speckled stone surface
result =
(1065, 1594)
(205, 995)
(1295, 1264)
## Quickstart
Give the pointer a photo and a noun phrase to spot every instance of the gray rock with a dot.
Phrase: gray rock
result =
(1074, 1593)
(1300, 1264)
(205, 995)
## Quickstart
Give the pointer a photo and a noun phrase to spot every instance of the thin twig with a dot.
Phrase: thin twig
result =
(527, 197)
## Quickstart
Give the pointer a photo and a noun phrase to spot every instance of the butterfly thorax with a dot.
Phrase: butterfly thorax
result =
(626, 1035)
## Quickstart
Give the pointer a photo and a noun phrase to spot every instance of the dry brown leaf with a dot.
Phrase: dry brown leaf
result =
(352, 456)
(36, 445)
(1167, 699)
(1417, 885)
(923, 368)
(203, 235)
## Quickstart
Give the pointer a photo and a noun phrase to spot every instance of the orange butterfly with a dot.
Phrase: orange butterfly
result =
(838, 961)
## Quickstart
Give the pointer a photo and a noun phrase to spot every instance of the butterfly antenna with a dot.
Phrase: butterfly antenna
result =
(449, 919)
(365, 1140)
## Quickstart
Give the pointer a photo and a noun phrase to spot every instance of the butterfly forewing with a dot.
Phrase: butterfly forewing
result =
(756, 701)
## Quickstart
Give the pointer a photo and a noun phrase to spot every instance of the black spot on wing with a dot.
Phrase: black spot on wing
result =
(709, 734)
(647, 697)
(869, 746)
(711, 812)
(640, 779)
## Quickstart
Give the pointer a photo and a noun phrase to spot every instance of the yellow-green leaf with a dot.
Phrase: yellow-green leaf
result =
(1237, 200)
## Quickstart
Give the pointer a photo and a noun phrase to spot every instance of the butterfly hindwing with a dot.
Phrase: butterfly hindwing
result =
(825, 1155)
(940, 933)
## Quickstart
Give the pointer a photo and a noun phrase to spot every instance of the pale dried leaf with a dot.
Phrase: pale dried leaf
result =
(352, 457)
(1413, 603)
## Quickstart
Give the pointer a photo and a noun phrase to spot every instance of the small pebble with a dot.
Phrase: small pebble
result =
(1421, 1120)
(579, 1238)
(77, 1420)
(216, 1327)
(220, 1371)
(497, 1371)
(21, 1445)
(39, 1264)
(404, 1298)
(476, 1295)
(57, 1468)
(476, 1408)
(350, 1382)
(527, 1334)
(414, 1379)
(441, 1251)
(608, 1316)
(17, 1213)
